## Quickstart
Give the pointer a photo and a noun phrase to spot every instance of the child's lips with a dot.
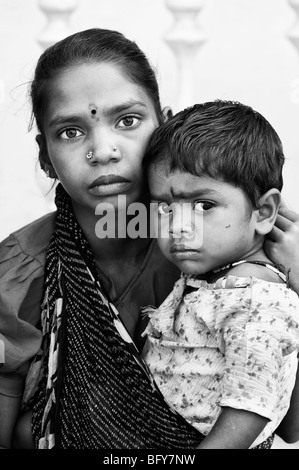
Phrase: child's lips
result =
(181, 248)
(184, 252)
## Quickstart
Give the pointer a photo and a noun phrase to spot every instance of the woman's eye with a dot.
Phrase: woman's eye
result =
(201, 206)
(70, 133)
(129, 121)
(163, 208)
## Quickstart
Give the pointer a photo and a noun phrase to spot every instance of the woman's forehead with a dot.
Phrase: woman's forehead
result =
(98, 86)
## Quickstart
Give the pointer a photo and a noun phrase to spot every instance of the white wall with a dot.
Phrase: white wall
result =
(246, 56)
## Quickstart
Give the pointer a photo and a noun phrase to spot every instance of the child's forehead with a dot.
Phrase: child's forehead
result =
(162, 170)
(176, 183)
(181, 185)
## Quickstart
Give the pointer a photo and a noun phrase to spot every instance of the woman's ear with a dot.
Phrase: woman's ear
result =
(267, 211)
(43, 156)
(167, 113)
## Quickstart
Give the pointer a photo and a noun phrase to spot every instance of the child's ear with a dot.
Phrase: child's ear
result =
(43, 156)
(167, 113)
(267, 211)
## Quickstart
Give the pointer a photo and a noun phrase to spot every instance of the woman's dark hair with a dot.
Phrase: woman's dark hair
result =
(91, 46)
(225, 140)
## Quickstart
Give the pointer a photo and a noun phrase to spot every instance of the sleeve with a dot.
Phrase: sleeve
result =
(256, 339)
(21, 280)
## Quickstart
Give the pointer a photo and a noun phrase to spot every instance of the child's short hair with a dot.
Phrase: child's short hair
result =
(225, 140)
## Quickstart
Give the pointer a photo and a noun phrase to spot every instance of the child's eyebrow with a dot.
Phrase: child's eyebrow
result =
(182, 194)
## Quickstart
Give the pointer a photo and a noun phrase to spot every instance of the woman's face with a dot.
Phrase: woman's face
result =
(95, 107)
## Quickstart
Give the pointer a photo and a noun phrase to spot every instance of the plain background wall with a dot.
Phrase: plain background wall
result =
(246, 56)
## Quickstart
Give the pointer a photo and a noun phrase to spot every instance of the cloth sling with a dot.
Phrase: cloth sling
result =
(88, 387)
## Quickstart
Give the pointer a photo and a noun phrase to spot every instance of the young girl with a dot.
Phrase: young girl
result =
(223, 346)
(96, 103)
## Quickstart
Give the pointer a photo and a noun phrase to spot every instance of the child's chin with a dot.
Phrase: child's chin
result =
(191, 268)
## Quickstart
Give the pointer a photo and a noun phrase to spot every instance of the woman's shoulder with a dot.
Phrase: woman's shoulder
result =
(22, 262)
(23, 254)
(31, 240)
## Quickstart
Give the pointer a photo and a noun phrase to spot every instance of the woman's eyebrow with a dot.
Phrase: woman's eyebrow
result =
(61, 119)
(123, 107)
(111, 111)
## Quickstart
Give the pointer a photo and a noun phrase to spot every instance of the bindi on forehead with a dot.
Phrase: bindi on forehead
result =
(93, 110)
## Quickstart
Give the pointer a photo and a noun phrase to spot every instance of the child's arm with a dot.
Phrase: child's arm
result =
(282, 243)
(234, 429)
(9, 411)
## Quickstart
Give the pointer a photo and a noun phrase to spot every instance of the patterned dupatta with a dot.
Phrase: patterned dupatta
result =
(87, 386)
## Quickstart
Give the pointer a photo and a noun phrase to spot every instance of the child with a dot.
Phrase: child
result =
(222, 347)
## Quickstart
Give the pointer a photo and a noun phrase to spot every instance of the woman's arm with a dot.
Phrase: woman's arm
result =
(288, 429)
(282, 243)
(234, 429)
(9, 411)
(282, 247)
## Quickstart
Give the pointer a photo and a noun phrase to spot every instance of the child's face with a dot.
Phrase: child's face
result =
(94, 107)
(215, 228)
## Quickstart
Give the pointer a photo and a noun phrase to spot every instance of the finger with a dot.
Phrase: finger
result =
(283, 204)
(275, 235)
(283, 223)
(288, 213)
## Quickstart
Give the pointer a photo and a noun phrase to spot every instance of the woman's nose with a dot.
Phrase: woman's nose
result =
(104, 148)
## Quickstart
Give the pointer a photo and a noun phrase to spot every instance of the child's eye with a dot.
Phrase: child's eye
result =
(70, 133)
(163, 208)
(129, 121)
(201, 206)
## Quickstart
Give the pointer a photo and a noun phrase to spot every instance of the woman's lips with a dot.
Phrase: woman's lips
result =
(109, 184)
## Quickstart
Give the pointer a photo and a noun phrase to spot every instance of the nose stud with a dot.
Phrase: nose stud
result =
(90, 156)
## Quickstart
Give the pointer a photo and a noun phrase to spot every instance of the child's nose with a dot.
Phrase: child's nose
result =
(182, 223)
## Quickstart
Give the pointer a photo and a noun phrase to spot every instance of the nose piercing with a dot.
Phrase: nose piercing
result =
(90, 155)
(114, 149)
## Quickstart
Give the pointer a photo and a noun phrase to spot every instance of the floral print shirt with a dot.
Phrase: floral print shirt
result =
(208, 348)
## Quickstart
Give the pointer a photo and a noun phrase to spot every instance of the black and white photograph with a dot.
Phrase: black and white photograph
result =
(149, 227)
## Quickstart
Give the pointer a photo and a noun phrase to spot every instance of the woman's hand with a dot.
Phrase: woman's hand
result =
(282, 243)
